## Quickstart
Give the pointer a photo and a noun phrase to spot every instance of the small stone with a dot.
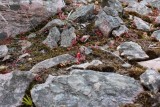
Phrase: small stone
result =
(151, 79)
(151, 64)
(126, 65)
(132, 51)
(85, 50)
(32, 35)
(156, 35)
(53, 38)
(48, 63)
(68, 36)
(140, 24)
(3, 51)
(121, 30)
(82, 11)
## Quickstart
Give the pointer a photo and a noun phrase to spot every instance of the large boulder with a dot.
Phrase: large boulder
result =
(132, 51)
(48, 63)
(24, 15)
(13, 86)
(86, 88)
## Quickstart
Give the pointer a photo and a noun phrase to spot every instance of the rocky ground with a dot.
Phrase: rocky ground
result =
(80, 53)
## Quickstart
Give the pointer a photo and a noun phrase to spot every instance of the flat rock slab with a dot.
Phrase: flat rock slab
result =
(132, 51)
(154, 64)
(13, 86)
(20, 16)
(3, 51)
(86, 88)
(48, 63)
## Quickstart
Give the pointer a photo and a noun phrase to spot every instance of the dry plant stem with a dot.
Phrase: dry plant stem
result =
(116, 56)
(3, 19)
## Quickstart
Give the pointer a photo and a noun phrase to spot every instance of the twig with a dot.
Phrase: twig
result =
(4, 19)
(107, 51)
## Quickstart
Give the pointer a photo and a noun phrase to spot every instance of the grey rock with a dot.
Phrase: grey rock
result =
(139, 8)
(132, 51)
(67, 37)
(157, 20)
(82, 11)
(115, 4)
(110, 11)
(126, 65)
(85, 50)
(151, 64)
(53, 38)
(140, 24)
(32, 35)
(121, 30)
(156, 35)
(13, 86)
(53, 23)
(85, 65)
(3, 51)
(151, 79)
(107, 23)
(22, 16)
(48, 63)
(86, 88)
(155, 3)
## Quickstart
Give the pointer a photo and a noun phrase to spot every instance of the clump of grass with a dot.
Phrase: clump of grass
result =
(27, 101)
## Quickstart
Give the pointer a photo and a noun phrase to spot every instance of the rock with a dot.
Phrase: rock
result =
(85, 65)
(107, 23)
(83, 11)
(151, 79)
(156, 35)
(13, 86)
(157, 20)
(67, 37)
(3, 35)
(140, 24)
(84, 38)
(128, 2)
(23, 16)
(32, 35)
(110, 11)
(85, 50)
(51, 24)
(3, 51)
(53, 38)
(24, 44)
(121, 30)
(86, 88)
(155, 3)
(48, 63)
(126, 65)
(115, 4)
(23, 56)
(138, 8)
(6, 57)
(132, 51)
(151, 64)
